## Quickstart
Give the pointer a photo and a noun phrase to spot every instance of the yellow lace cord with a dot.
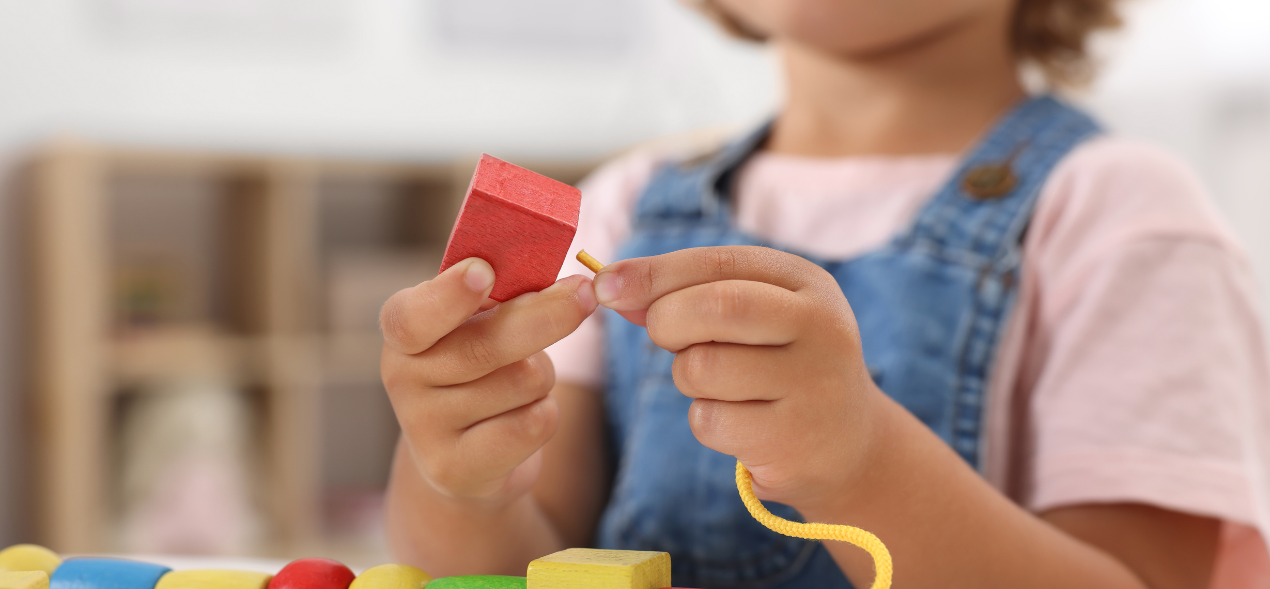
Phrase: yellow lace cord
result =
(882, 569)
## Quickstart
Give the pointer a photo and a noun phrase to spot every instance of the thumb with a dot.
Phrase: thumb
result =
(416, 317)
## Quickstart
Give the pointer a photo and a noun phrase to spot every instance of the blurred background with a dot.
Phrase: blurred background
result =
(203, 204)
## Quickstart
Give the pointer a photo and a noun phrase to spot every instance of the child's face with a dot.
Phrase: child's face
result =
(860, 27)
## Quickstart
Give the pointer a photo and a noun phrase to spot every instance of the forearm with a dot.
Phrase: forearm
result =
(446, 536)
(946, 527)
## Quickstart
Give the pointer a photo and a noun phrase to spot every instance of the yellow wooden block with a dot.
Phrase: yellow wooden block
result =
(391, 576)
(29, 557)
(213, 579)
(586, 568)
(24, 580)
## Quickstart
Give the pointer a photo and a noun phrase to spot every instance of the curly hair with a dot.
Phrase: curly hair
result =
(1054, 34)
(1050, 34)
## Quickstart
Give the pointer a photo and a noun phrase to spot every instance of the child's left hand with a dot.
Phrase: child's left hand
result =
(768, 347)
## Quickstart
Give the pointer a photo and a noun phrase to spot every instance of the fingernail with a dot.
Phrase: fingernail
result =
(608, 287)
(479, 276)
(586, 295)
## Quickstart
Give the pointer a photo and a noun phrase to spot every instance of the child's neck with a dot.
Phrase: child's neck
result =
(933, 94)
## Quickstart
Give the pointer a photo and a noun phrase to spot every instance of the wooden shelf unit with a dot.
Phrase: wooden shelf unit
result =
(82, 356)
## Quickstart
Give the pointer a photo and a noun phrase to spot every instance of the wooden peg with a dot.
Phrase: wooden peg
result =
(591, 263)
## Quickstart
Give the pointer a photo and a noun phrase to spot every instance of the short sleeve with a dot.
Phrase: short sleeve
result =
(1143, 342)
(1141, 392)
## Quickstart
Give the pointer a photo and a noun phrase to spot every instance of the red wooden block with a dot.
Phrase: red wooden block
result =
(313, 573)
(520, 222)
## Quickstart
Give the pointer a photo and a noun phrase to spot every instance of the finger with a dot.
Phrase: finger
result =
(748, 430)
(764, 434)
(732, 311)
(638, 317)
(634, 284)
(449, 410)
(476, 461)
(416, 317)
(732, 372)
(514, 330)
(504, 441)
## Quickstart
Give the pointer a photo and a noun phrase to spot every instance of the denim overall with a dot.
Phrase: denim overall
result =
(930, 304)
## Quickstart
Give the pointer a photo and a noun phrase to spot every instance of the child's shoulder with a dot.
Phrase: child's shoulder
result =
(1117, 158)
(1122, 189)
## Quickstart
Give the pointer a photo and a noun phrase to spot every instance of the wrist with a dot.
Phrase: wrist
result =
(867, 452)
(410, 477)
(449, 536)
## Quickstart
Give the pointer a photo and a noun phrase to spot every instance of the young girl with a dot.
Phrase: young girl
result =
(1020, 351)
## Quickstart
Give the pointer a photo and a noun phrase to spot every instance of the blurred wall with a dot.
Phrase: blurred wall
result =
(549, 78)
(392, 77)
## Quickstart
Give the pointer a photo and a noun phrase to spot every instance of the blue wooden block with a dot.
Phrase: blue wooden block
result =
(106, 573)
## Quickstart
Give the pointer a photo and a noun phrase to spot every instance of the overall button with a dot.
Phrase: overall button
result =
(989, 181)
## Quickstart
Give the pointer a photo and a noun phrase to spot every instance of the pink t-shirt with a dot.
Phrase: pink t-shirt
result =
(1133, 367)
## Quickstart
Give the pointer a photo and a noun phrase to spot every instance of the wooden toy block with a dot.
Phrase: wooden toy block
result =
(214, 579)
(520, 222)
(586, 568)
(24, 580)
(29, 557)
(313, 573)
(478, 582)
(106, 573)
(392, 576)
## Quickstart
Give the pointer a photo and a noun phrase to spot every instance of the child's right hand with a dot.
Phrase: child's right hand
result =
(471, 391)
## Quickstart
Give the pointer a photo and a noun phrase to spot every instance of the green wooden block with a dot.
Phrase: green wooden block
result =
(478, 582)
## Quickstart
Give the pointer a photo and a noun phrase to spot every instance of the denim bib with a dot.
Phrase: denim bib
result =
(930, 304)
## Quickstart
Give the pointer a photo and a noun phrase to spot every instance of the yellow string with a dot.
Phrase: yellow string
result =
(882, 569)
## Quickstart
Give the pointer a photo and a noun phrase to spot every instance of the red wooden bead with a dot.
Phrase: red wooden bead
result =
(520, 222)
(313, 573)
